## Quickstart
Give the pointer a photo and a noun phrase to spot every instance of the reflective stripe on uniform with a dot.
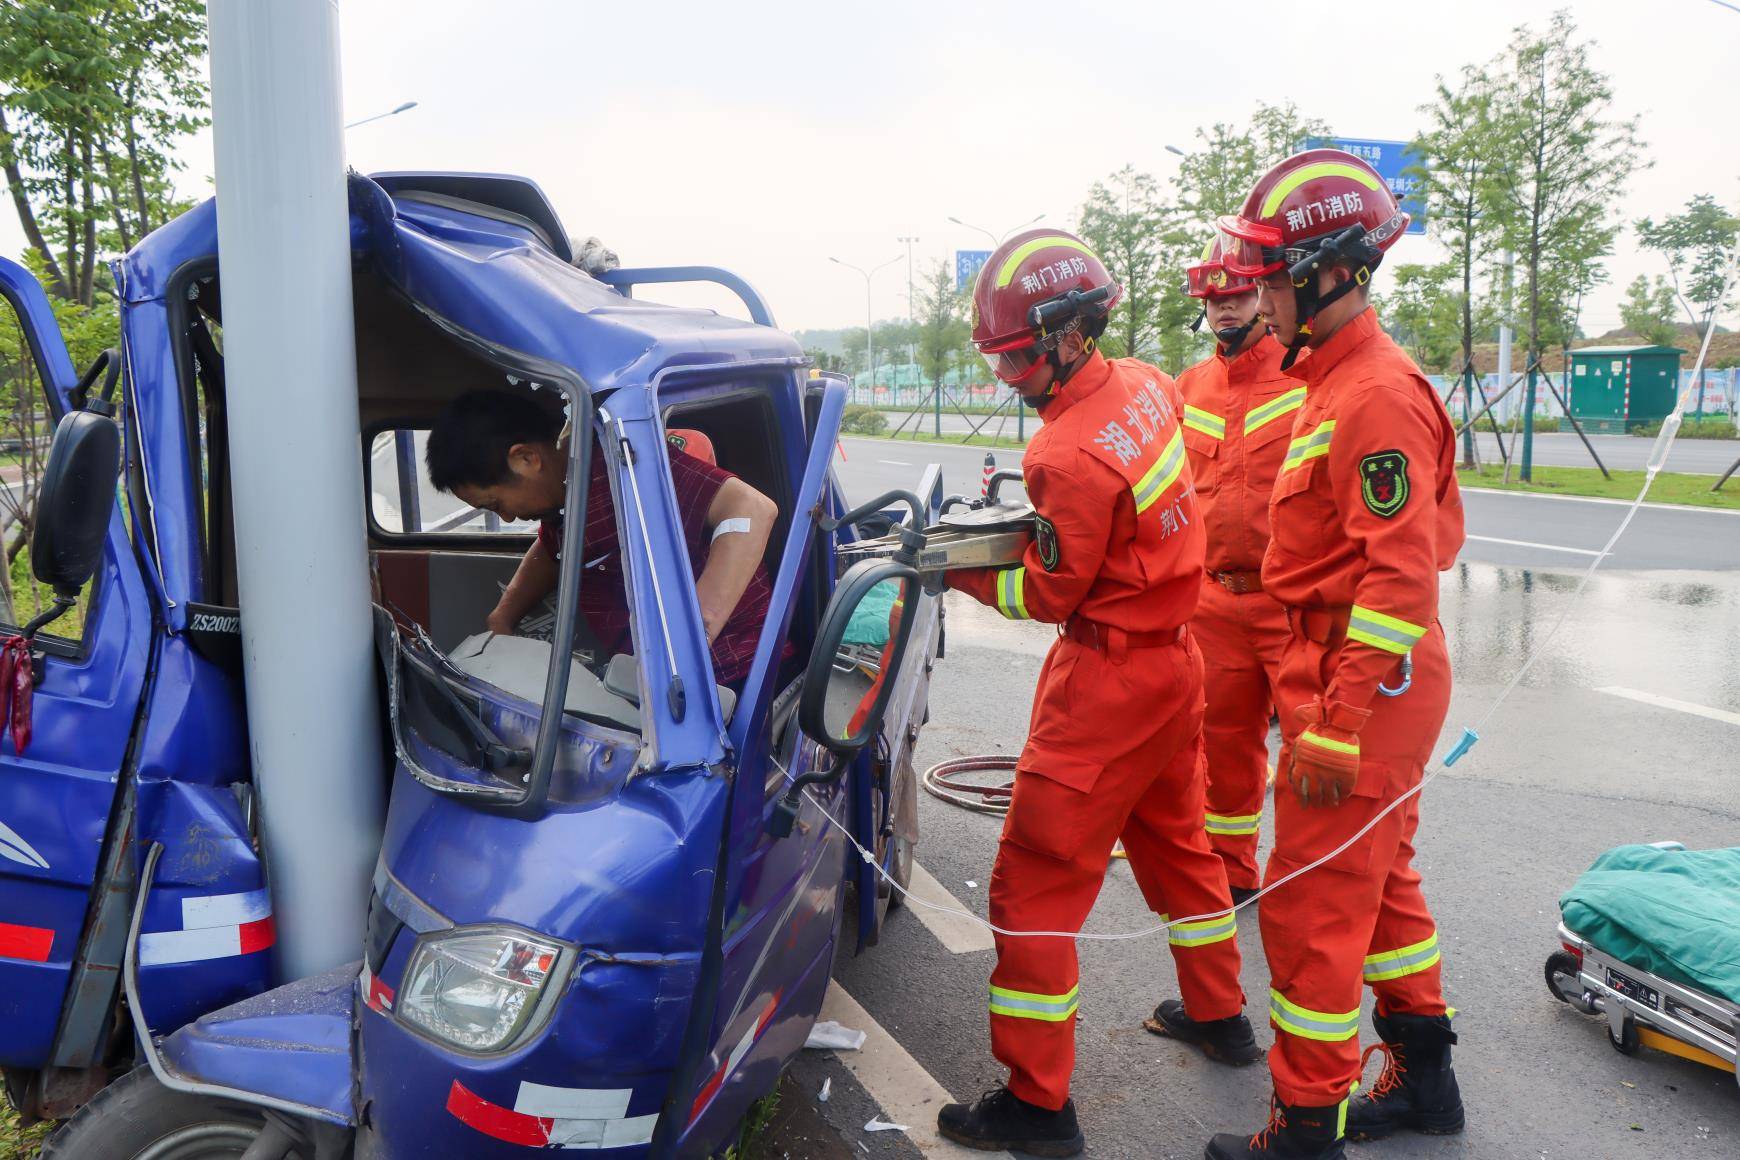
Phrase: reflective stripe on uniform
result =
(1232, 823)
(1026, 1005)
(1309, 446)
(1012, 594)
(1408, 960)
(1308, 1024)
(1273, 409)
(1329, 743)
(1381, 631)
(1162, 475)
(1200, 934)
(1006, 273)
(1208, 422)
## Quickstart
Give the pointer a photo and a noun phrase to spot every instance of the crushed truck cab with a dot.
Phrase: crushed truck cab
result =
(609, 892)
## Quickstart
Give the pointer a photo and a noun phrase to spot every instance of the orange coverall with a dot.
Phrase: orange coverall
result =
(1238, 414)
(1114, 741)
(1365, 514)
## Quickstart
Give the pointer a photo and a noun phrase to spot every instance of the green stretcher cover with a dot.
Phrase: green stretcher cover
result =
(1674, 913)
(869, 623)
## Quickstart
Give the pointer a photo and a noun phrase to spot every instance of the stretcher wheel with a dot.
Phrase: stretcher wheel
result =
(1561, 963)
(1627, 1041)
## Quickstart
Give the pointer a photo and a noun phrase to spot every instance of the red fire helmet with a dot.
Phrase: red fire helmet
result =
(1321, 200)
(1208, 278)
(1037, 287)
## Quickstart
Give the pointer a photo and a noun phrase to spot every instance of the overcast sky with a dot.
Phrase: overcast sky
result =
(766, 137)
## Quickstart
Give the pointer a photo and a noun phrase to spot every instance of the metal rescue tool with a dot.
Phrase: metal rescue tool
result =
(968, 534)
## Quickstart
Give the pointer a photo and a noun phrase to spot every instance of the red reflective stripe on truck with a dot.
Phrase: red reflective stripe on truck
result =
(736, 1057)
(32, 943)
(496, 1121)
(258, 935)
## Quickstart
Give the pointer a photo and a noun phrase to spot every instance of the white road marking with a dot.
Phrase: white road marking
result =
(906, 1092)
(1669, 703)
(1532, 544)
(958, 935)
(895, 462)
(1660, 507)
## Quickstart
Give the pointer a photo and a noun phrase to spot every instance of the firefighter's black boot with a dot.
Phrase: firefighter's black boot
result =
(1002, 1122)
(1229, 1041)
(1417, 1089)
(1292, 1133)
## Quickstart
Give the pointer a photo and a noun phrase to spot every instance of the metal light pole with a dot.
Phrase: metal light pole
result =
(1176, 151)
(869, 324)
(393, 112)
(997, 239)
(911, 357)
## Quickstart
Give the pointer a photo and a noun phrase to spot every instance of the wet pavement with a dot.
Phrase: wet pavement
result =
(1565, 770)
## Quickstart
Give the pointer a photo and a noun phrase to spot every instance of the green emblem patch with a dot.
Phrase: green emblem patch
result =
(1045, 536)
(1383, 480)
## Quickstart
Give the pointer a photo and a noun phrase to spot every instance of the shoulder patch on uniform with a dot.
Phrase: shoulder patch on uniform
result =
(1383, 481)
(1045, 537)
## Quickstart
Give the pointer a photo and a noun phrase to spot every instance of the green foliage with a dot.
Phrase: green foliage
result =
(1566, 160)
(1422, 315)
(1708, 427)
(755, 1125)
(1702, 247)
(824, 360)
(942, 331)
(859, 419)
(1649, 310)
(1123, 220)
(1215, 176)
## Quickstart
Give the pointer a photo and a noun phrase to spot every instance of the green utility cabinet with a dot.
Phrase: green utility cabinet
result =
(1616, 388)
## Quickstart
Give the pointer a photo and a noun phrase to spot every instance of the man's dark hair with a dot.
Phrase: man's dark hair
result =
(468, 445)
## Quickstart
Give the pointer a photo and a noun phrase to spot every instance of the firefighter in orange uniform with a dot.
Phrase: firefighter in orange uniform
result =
(1238, 411)
(1113, 744)
(1364, 515)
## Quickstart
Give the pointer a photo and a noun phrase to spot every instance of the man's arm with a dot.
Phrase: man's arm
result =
(740, 520)
(534, 579)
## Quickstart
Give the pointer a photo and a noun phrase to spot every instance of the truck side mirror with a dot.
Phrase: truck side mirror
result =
(77, 495)
(852, 670)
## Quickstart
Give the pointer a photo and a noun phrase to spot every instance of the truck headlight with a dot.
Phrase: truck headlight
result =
(475, 987)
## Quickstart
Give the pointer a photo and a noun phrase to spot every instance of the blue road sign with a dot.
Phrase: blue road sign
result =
(968, 263)
(1390, 159)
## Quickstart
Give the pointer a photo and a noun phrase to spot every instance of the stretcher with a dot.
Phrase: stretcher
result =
(1650, 939)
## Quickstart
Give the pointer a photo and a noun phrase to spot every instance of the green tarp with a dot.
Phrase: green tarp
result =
(869, 623)
(1674, 913)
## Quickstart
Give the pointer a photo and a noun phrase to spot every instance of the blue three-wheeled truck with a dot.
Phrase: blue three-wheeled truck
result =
(607, 899)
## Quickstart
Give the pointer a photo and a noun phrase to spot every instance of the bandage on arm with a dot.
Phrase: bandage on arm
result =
(736, 525)
(741, 519)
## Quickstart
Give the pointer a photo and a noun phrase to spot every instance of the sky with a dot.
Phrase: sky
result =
(767, 136)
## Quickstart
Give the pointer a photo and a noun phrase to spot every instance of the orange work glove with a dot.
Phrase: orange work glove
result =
(1326, 753)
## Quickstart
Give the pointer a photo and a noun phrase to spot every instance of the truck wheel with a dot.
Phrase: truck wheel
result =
(1627, 1041)
(137, 1118)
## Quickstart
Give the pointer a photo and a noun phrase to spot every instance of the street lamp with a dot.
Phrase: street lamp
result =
(869, 327)
(1173, 149)
(996, 239)
(393, 112)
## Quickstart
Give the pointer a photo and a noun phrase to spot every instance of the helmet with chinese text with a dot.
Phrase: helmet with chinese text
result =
(1037, 287)
(1322, 206)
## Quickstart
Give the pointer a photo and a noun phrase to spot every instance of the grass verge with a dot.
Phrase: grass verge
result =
(1669, 487)
(18, 1143)
(958, 440)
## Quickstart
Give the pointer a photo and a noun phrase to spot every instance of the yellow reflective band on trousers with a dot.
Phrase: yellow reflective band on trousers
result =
(1162, 475)
(1341, 1116)
(1324, 1026)
(1273, 409)
(1409, 960)
(1006, 273)
(1232, 823)
(1027, 1005)
(1309, 446)
(1012, 594)
(1329, 743)
(1381, 631)
(1201, 934)
(1306, 173)
(1206, 422)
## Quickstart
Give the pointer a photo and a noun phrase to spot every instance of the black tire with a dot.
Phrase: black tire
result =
(1627, 1041)
(1561, 963)
(137, 1118)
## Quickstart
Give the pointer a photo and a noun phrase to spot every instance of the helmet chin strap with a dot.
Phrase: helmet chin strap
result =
(1061, 374)
(1309, 304)
(1233, 337)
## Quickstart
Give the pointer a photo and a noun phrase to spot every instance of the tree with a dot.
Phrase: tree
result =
(1702, 248)
(1122, 220)
(1215, 177)
(1567, 160)
(1649, 310)
(1422, 315)
(942, 331)
(1455, 177)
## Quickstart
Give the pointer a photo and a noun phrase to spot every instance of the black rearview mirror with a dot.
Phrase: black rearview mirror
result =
(77, 494)
(851, 673)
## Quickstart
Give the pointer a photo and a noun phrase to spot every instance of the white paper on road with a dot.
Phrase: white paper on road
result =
(881, 1125)
(830, 1036)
